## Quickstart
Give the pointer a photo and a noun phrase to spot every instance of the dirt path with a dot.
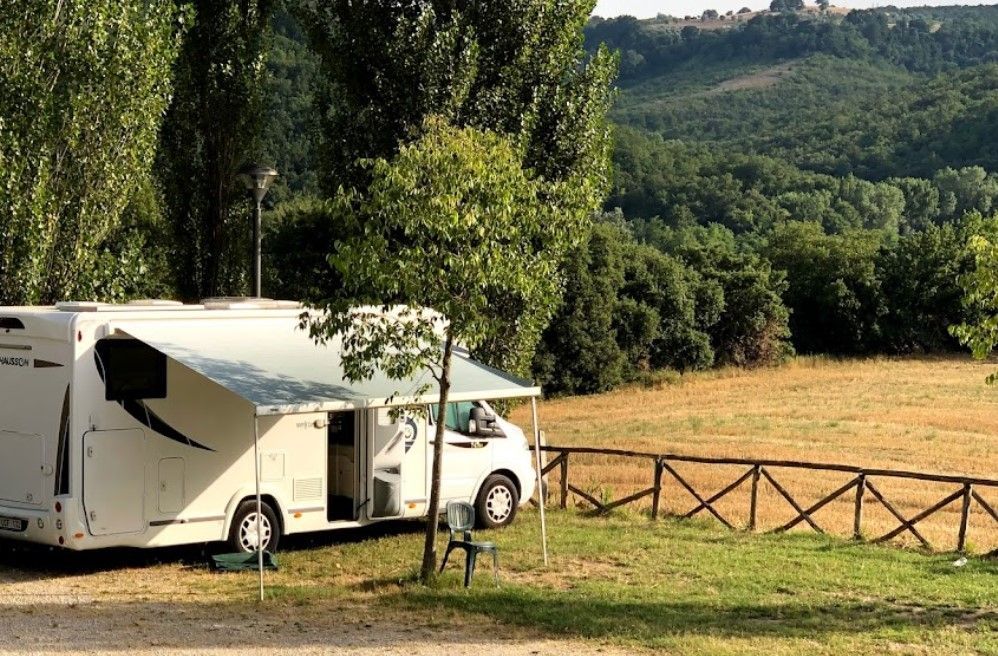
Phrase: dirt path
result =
(163, 628)
(155, 610)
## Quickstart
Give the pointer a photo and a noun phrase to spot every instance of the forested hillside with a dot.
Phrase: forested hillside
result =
(795, 181)
(798, 181)
(814, 177)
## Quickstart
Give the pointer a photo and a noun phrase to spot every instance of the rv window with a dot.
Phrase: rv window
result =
(11, 323)
(131, 370)
(458, 415)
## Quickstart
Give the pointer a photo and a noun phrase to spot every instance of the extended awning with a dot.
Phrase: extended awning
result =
(280, 370)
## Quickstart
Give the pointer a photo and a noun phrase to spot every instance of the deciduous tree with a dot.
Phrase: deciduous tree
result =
(514, 67)
(449, 223)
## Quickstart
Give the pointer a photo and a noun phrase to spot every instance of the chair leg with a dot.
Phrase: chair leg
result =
(443, 564)
(469, 567)
(495, 566)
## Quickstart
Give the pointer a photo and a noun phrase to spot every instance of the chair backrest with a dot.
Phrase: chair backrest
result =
(460, 515)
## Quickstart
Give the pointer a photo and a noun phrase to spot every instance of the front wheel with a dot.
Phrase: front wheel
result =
(244, 537)
(497, 502)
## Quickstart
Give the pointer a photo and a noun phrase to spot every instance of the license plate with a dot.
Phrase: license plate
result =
(13, 524)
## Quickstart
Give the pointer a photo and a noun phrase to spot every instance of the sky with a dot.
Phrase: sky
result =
(649, 8)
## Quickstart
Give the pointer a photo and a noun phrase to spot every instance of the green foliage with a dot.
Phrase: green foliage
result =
(824, 110)
(669, 292)
(82, 88)
(517, 69)
(579, 352)
(296, 239)
(852, 285)
(135, 258)
(627, 308)
(966, 190)
(292, 88)
(684, 300)
(739, 302)
(912, 39)
(209, 132)
(786, 5)
(447, 223)
(980, 287)
(450, 223)
(833, 292)
(918, 281)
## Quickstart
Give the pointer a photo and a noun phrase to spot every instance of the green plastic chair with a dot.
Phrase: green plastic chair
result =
(460, 518)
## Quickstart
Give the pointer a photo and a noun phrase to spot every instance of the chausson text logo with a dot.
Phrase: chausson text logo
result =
(9, 361)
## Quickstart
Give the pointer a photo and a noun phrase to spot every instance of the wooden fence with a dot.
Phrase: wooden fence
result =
(758, 471)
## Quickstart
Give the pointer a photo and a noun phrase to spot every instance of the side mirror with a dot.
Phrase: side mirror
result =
(483, 423)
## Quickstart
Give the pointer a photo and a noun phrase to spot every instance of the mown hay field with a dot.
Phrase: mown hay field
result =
(927, 414)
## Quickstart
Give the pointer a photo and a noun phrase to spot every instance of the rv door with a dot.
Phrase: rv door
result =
(22, 467)
(114, 481)
(391, 474)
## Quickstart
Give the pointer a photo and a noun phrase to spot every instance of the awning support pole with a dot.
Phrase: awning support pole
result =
(540, 478)
(259, 502)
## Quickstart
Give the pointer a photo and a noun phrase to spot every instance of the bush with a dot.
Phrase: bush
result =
(298, 237)
(832, 288)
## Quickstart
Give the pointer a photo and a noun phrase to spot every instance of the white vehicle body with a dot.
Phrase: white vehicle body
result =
(171, 467)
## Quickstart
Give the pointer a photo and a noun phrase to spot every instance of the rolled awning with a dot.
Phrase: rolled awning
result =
(280, 370)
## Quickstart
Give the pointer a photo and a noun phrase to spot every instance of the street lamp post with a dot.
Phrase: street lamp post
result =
(257, 179)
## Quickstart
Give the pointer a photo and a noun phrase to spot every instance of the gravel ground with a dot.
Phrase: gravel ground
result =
(108, 609)
(162, 628)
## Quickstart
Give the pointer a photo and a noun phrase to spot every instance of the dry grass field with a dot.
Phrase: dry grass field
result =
(927, 414)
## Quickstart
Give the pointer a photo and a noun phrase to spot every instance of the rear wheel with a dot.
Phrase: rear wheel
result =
(244, 536)
(497, 502)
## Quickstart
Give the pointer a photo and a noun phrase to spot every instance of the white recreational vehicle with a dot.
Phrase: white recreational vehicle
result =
(151, 424)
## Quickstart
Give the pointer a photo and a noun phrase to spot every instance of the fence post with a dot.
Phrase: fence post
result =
(657, 484)
(857, 522)
(961, 541)
(564, 480)
(754, 499)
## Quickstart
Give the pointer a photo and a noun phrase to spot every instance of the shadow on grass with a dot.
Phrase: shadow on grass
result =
(586, 616)
(39, 562)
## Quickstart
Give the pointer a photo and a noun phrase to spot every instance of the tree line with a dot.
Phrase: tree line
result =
(921, 40)
(122, 130)
(121, 134)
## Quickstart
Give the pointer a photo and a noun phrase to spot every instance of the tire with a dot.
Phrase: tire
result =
(497, 502)
(242, 534)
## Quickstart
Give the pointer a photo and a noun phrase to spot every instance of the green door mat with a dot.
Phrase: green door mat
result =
(239, 562)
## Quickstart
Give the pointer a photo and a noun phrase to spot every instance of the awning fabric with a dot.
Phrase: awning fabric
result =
(280, 370)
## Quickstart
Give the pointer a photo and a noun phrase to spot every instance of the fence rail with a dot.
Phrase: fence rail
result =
(759, 471)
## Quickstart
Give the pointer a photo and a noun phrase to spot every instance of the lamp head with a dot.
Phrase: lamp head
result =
(257, 179)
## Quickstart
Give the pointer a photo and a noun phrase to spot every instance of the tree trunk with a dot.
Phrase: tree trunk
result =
(429, 568)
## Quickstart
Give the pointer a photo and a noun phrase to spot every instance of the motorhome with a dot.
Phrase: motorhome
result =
(152, 424)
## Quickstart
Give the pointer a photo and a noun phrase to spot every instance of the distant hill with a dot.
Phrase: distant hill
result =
(875, 93)
(732, 19)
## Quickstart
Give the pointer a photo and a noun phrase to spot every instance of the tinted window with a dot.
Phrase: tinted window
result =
(458, 415)
(131, 370)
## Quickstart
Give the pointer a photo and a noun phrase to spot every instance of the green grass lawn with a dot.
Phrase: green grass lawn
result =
(680, 586)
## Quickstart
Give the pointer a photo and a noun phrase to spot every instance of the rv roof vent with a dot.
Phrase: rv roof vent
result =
(79, 306)
(248, 303)
(155, 302)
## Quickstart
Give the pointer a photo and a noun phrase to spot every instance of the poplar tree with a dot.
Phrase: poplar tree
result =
(513, 67)
(83, 88)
